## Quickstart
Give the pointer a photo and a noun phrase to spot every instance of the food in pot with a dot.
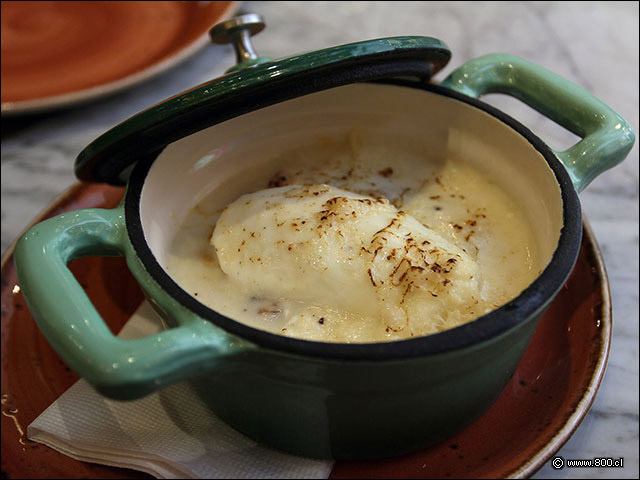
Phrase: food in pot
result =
(341, 252)
(353, 249)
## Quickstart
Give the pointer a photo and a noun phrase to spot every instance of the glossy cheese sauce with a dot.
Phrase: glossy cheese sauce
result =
(345, 242)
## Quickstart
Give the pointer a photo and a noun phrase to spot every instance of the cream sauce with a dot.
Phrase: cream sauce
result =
(325, 287)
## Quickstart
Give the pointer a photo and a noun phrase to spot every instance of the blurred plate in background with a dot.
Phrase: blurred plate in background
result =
(57, 54)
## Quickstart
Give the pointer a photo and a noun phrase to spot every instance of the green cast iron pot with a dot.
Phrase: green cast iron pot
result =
(324, 400)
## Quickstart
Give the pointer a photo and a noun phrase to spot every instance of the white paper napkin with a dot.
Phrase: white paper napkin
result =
(169, 434)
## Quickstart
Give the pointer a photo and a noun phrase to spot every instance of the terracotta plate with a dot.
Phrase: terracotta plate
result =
(544, 403)
(59, 53)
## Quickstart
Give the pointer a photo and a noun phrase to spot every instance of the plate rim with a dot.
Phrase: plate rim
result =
(580, 411)
(63, 100)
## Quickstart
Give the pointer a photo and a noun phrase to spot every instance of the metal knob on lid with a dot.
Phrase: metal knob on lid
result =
(238, 32)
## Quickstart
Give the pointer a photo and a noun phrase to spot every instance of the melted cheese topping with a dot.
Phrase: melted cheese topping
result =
(342, 252)
(346, 246)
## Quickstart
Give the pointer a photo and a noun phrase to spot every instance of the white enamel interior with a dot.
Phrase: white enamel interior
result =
(407, 117)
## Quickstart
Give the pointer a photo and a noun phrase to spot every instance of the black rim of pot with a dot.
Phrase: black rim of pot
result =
(521, 309)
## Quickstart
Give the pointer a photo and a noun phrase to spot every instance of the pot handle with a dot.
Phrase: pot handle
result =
(606, 137)
(118, 368)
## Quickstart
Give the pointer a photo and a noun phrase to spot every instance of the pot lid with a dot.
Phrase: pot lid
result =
(252, 84)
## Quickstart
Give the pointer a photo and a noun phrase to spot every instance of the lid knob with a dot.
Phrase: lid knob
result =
(238, 32)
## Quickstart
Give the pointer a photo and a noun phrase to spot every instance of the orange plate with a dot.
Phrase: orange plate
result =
(59, 53)
(540, 408)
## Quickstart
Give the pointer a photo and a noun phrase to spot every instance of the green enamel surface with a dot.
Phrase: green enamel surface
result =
(236, 82)
(248, 63)
(119, 368)
(263, 72)
(606, 137)
(322, 408)
(308, 406)
(351, 409)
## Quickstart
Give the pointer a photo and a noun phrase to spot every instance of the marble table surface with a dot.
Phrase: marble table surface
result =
(593, 44)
